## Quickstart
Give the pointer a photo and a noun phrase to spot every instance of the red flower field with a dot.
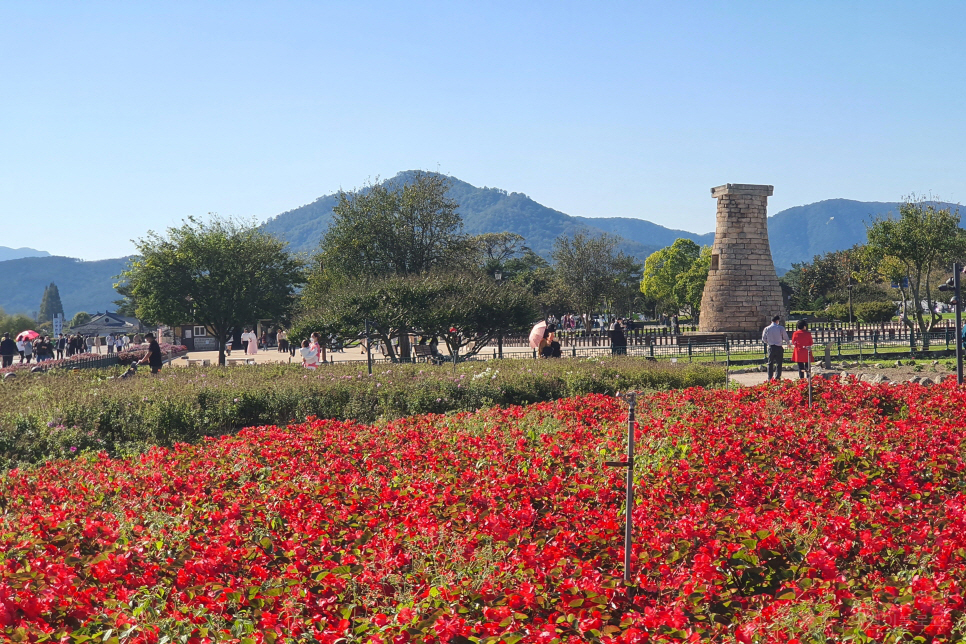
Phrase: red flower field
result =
(759, 520)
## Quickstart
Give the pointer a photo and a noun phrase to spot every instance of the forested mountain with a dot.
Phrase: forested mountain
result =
(483, 209)
(83, 286)
(796, 234)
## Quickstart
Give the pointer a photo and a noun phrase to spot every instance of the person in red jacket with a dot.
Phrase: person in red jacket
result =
(802, 348)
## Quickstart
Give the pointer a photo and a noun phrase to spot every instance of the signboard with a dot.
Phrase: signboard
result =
(58, 324)
(206, 344)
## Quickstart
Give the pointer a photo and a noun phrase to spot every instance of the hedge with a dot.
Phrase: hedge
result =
(57, 414)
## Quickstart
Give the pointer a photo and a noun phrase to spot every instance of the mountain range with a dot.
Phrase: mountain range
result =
(83, 286)
(796, 235)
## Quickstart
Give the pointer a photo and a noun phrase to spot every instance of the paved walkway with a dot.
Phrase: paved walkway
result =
(273, 356)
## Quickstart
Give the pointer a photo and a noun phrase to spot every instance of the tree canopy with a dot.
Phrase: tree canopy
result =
(922, 240)
(674, 277)
(394, 228)
(220, 273)
(590, 271)
(50, 304)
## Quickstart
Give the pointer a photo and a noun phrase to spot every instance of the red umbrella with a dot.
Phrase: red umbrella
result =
(28, 335)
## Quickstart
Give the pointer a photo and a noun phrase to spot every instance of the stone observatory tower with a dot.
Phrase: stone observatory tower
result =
(742, 292)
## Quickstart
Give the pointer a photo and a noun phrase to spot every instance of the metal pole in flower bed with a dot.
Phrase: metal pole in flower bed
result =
(368, 349)
(631, 398)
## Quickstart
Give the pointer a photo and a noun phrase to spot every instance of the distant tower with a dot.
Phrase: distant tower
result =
(742, 292)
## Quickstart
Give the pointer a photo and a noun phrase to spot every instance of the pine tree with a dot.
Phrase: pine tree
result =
(50, 304)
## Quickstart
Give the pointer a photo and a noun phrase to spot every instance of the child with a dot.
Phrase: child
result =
(310, 357)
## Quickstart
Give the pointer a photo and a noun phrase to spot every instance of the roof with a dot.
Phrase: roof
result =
(108, 323)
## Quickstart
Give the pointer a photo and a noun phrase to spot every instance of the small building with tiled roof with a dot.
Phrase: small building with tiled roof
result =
(107, 323)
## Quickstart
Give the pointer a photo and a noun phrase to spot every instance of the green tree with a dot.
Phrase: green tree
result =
(470, 310)
(474, 305)
(674, 277)
(394, 229)
(14, 323)
(126, 305)
(50, 304)
(220, 274)
(689, 287)
(920, 241)
(80, 319)
(590, 271)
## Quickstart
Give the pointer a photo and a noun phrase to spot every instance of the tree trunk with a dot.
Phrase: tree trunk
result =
(404, 348)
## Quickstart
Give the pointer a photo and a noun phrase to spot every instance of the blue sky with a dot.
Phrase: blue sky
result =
(116, 118)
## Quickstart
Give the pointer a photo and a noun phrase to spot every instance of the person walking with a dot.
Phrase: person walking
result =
(28, 350)
(153, 356)
(20, 344)
(802, 348)
(252, 348)
(61, 345)
(775, 338)
(7, 348)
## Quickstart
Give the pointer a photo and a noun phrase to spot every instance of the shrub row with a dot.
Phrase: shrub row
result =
(56, 414)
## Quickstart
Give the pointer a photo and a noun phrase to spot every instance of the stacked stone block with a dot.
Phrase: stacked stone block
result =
(742, 292)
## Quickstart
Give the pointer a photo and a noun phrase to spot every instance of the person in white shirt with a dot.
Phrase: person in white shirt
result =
(252, 347)
(775, 338)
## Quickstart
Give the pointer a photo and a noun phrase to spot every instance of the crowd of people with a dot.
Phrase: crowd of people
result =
(43, 347)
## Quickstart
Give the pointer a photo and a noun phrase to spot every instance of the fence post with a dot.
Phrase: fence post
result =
(839, 342)
(946, 333)
(574, 351)
(689, 349)
(875, 344)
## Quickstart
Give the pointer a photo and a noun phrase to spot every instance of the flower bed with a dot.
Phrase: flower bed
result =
(138, 351)
(759, 520)
(92, 411)
(124, 357)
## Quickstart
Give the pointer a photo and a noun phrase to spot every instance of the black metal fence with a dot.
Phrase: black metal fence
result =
(838, 344)
(822, 333)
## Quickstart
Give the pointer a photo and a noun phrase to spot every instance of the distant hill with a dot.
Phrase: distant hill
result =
(483, 210)
(83, 286)
(16, 253)
(796, 234)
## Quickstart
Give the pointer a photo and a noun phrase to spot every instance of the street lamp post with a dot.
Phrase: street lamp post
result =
(849, 287)
(498, 276)
(368, 349)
